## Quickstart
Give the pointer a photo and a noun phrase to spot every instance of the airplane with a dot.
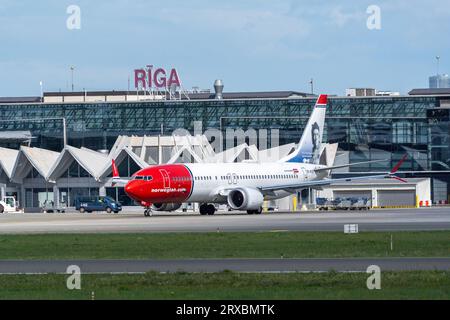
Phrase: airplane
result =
(242, 186)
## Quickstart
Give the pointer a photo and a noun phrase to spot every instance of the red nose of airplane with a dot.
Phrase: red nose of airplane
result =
(132, 190)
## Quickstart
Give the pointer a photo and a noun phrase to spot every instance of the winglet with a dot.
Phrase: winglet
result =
(115, 172)
(399, 164)
(395, 169)
(399, 179)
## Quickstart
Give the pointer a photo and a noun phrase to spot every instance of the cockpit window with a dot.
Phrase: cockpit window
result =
(146, 178)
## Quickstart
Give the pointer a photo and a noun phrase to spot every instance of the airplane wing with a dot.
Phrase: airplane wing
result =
(348, 165)
(323, 182)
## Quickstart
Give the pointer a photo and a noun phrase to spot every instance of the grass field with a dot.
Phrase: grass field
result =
(229, 285)
(225, 245)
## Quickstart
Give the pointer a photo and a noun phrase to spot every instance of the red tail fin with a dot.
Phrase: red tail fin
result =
(115, 172)
(322, 100)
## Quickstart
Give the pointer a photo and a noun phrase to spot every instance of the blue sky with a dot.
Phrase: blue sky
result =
(251, 45)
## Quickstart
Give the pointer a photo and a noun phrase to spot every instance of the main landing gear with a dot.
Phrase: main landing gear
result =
(148, 212)
(207, 209)
(257, 211)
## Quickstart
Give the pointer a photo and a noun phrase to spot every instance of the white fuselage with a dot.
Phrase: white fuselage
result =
(210, 178)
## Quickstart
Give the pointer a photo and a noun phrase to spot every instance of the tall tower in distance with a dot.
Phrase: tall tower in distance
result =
(439, 80)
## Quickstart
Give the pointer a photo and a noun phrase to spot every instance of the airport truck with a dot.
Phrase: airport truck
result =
(343, 204)
(49, 206)
(9, 205)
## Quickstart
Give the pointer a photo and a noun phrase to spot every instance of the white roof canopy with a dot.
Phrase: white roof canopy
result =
(40, 159)
(8, 158)
(91, 161)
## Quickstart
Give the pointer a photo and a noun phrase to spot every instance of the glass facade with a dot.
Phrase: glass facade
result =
(369, 128)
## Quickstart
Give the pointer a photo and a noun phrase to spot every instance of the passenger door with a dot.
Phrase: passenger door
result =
(166, 178)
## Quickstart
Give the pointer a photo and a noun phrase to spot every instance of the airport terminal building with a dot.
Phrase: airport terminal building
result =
(69, 127)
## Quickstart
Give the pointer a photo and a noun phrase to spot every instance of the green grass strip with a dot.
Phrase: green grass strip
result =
(225, 245)
(230, 285)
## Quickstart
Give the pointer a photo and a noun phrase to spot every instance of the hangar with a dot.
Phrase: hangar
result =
(386, 193)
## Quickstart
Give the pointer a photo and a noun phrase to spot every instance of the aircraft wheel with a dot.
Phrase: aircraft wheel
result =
(250, 211)
(211, 209)
(203, 209)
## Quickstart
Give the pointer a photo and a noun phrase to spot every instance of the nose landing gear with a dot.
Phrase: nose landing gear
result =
(148, 212)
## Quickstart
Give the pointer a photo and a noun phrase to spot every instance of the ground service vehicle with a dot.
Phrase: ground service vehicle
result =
(97, 203)
(49, 207)
(9, 204)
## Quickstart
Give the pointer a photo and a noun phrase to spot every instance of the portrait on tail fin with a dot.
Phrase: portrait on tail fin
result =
(315, 141)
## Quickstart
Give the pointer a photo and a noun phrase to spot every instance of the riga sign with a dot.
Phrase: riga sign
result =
(149, 78)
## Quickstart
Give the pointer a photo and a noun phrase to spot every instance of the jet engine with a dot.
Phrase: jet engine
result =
(165, 206)
(245, 199)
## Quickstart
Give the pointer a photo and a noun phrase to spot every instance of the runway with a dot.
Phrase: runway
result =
(373, 220)
(218, 265)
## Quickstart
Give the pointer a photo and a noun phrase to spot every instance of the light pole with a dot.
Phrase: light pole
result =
(71, 69)
(42, 95)
(437, 62)
(311, 82)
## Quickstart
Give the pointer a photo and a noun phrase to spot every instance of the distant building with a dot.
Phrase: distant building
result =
(387, 93)
(439, 81)
(369, 92)
(360, 92)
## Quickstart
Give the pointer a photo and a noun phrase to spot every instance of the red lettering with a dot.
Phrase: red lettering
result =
(139, 78)
(173, 78)
(149, 73)
(160, 82)
(147, 78)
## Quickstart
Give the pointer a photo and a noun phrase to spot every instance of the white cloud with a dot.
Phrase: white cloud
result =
(259, 23)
